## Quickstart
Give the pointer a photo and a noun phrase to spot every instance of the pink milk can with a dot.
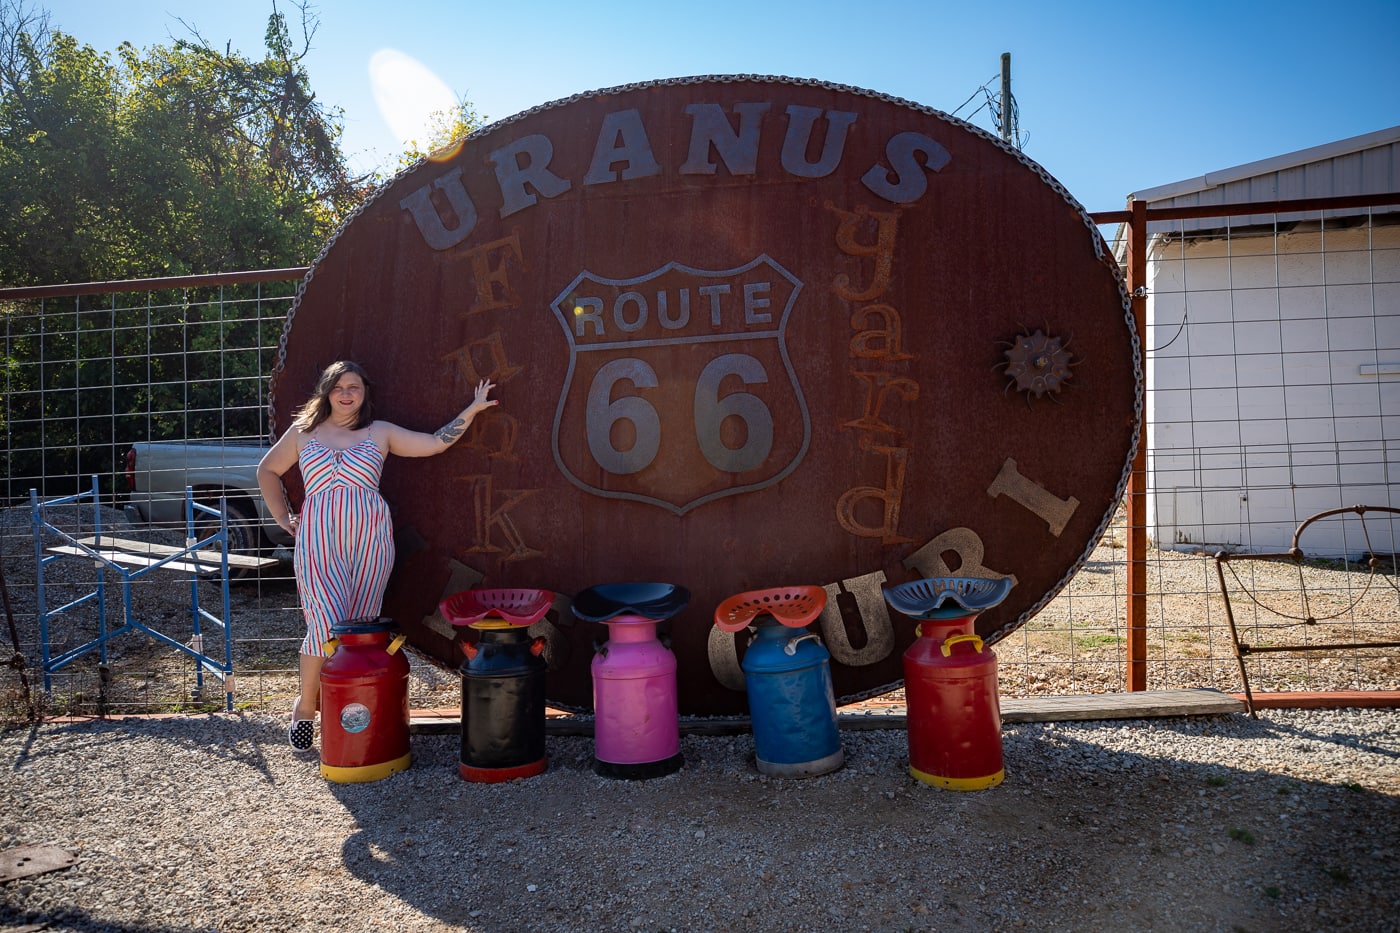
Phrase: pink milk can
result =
(636, 713)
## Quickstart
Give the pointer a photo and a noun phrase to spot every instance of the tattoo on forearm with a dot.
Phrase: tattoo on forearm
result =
(449, 433)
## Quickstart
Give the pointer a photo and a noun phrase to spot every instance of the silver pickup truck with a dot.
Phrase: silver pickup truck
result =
(157, 473)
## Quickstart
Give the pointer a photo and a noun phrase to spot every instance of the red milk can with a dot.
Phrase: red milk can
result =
(954, 718)
(364, 703)
(950, 683)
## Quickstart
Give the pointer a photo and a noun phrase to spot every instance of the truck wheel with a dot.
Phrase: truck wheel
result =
(244, 536)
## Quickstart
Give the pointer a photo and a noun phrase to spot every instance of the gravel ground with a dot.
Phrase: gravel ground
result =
(1289, 822)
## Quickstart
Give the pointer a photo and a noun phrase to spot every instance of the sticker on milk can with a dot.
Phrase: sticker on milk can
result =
(355, 718)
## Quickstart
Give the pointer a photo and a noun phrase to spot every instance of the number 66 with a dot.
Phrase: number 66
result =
(710, 411)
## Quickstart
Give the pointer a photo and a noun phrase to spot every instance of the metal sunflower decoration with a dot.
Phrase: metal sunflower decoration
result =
(1037, 364)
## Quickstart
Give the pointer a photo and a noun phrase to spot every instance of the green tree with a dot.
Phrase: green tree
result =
(57, 114)
(179, 159)
(445, 132)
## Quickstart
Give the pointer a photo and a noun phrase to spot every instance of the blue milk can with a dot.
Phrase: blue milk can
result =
(787, 672)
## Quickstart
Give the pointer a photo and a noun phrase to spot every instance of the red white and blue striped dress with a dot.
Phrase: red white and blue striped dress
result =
(345, 538)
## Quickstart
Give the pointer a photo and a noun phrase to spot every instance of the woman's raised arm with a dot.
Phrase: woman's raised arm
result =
(405, 443)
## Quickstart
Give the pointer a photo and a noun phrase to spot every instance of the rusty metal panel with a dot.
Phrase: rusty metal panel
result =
(748, 332)
(26, 860)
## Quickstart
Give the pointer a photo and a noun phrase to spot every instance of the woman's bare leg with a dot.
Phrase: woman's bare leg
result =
(309, 699)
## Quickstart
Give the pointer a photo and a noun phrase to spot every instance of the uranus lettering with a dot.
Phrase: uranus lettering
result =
(513, 175)
(909, 182)
(524, 174)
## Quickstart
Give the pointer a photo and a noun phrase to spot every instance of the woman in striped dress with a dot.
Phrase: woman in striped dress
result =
(344, 537)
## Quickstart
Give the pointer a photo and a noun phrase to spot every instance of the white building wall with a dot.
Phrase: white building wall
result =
(1273, 387)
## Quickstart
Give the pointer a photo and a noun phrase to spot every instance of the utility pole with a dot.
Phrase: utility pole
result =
(1008, 129)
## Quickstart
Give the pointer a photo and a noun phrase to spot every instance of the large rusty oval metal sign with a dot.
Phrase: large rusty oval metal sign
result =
(748, 332)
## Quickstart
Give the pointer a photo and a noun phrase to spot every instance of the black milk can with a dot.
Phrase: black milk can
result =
(503, 682)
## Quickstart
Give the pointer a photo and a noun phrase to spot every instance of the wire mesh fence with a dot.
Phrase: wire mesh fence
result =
(91, 382)
(1271, 344)
(1273, 393)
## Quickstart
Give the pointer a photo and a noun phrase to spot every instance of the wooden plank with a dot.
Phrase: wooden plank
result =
(1145, 704)
(1328, 699)
(165, 550)
(129, 560)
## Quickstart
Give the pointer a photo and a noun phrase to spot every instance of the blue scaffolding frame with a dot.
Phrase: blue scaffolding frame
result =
(111, 558)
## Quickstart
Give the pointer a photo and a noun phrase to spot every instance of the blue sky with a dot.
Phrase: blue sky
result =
(1113, 97)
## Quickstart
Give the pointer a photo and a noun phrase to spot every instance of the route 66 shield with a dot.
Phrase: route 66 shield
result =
(729, 416)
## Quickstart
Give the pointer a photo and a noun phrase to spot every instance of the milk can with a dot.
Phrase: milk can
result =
(364, 703)
(950, 682)
(787, 673)
(503, 682)
(636, 717)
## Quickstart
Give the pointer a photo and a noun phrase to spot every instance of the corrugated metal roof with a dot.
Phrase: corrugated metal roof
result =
(1367, 164)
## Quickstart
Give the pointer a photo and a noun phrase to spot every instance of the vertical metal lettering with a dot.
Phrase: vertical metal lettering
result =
(885, 343)
(710, 127)
(1035, 497)
(501, 369)
(878, 386)
(493, 290)
(503, 426)
(870, 613)
(487, 515)
(425, 214)
(513, 175)
(886, 226)
(888, 499)
(799, 138)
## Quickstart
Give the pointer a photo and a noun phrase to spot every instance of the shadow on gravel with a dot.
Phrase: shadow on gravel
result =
(1283, 731)
(231, 738)
(77, 921)
(1080, 835)
(1164, 824)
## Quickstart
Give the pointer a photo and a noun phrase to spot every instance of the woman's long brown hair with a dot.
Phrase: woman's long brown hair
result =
(318, 408)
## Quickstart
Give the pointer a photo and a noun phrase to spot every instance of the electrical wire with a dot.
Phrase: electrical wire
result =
(980, 90)
(992, 104)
